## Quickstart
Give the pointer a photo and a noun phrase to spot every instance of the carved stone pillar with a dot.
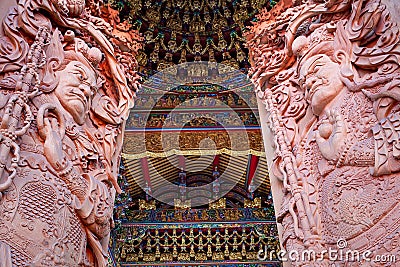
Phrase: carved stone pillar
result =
(64, 99)
(326, 73)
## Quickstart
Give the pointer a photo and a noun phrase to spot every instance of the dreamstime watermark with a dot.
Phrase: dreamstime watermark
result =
(339, 254)
(189, 108)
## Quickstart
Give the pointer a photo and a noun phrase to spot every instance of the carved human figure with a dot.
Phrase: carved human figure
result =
(73, 177)
(334, 111)
(321, 79)
(63, 109)
(75, 90)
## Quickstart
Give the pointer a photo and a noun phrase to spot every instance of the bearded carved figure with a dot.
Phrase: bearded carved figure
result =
(328, 74)
(64, 99)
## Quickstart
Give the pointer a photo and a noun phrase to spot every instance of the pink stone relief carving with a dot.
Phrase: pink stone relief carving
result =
(328, 74)
(65, 93)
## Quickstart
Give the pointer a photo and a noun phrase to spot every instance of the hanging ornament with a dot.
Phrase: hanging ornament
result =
(154, 55)
(183, 56)
(240, 55)
(222, 44)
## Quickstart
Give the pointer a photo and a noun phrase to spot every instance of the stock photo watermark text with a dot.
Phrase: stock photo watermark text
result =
(339, 254)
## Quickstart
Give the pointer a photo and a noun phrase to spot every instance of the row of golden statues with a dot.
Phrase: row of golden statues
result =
(204, 48)
(190, 120)
(179, 204)
(149, 102)
(203, 244)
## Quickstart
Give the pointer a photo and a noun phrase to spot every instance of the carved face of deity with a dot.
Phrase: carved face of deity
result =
(75, 89)
(320, 80)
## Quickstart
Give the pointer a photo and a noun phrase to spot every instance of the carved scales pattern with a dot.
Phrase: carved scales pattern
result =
(75, 235)
(19, 257)
(37, 202)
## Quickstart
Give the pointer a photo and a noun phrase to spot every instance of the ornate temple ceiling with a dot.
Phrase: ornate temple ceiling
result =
(234, 169)
(177, 31)
(195, 126)
(201, 120)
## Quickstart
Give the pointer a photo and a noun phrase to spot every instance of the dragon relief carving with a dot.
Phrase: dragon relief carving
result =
(327, 72)
(65, 93)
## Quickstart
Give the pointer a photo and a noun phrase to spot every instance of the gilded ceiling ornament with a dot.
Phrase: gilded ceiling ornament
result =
(222, 43)
(175, 22)
(183, 56)
(219, 22)
(153, 16)
(185, 19)
(141, 58)
(240, 55)
(172, 46)
(197, 5)
(154, 55)
(240, 14)
(196, 25)
(186, 16)
(211, 56)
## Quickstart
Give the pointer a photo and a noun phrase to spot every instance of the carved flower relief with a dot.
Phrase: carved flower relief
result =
(355, 212)
(362, 116)
(282, 96)
(298, 107)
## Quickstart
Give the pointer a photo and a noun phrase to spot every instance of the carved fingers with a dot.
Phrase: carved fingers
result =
(53, 150)
(331, 136)
(52, 129)
(49, 117)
